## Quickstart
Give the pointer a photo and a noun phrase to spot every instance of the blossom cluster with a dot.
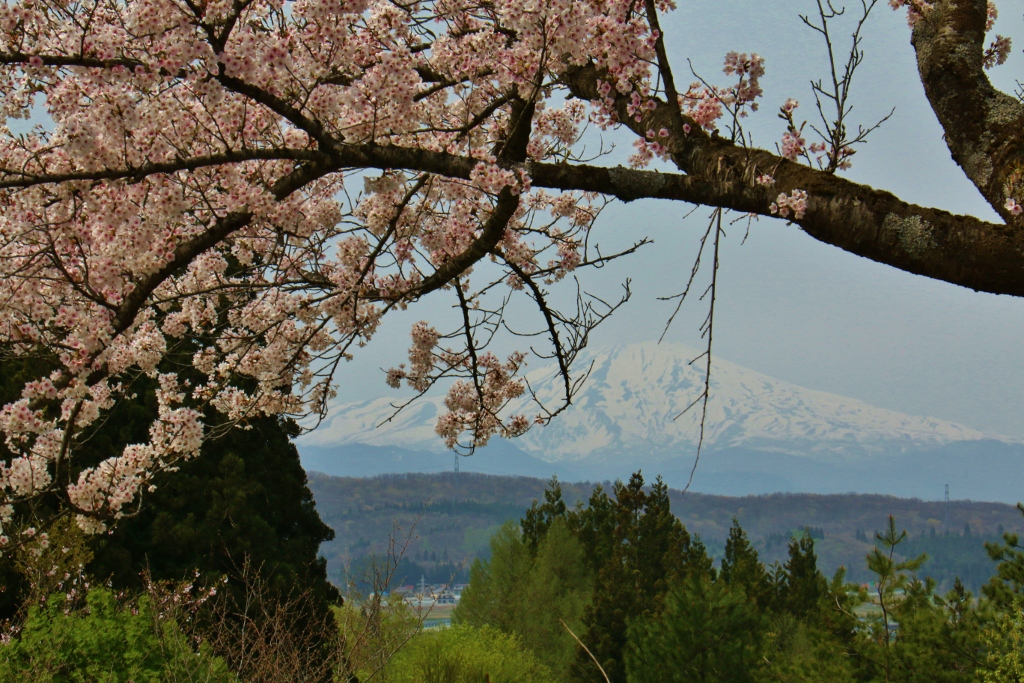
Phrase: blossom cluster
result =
(999, 49)
(749, 70)
(185, 192)
(795, 202)
(997, 52)
(474, 405)
(916, 9)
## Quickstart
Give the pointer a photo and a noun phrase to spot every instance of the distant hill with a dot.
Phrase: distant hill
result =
(448, 520)
(764, 436)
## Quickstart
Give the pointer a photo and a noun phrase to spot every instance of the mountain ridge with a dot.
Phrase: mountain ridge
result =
(633, 398)
(764, 436)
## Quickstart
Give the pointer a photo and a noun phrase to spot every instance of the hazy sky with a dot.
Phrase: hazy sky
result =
(790, 306)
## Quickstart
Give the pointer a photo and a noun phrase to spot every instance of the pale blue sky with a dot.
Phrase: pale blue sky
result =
(792, 307)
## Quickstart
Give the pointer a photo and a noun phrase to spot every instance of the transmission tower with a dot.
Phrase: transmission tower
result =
(457, 471)
(946, 523)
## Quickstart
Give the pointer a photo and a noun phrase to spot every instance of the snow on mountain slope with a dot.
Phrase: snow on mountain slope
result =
(631, 401)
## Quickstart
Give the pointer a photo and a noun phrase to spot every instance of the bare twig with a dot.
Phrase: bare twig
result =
(587, 650)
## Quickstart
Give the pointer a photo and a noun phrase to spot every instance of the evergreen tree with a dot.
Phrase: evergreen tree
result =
(891, 580)
(244, 499)
(530, 594)
(940, 639)
(742, 569)
(1006, 588)
(594, 526)
(557, 590)
(804, 585)
(650, 551)
(706, 632)
(538, 518)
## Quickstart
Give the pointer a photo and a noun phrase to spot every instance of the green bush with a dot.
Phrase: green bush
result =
(464, 654)
(105, 643)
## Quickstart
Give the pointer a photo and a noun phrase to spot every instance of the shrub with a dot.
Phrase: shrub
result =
(464, 654)
(105, 643)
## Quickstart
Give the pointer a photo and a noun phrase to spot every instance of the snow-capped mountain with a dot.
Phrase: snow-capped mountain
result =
(631, 404)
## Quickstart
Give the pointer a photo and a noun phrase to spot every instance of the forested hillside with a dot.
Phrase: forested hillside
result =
(448, 519)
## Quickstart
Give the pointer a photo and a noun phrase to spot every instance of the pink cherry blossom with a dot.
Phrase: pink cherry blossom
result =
(268, 181)
(795, 202)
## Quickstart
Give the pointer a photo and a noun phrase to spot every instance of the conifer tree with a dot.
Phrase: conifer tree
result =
(742, 569)
(531, 595)
(804, 585)
(496, 593)
(1007, 586)
(651, 550)
(594, 526)
(706, 632)
(538, 518)
(557, 590)
(245, 500)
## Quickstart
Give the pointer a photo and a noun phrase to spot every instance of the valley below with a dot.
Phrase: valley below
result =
(435, 525)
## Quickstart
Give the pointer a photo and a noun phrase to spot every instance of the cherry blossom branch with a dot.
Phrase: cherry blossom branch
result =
(24, 179)
(664, 66)
(865, 221)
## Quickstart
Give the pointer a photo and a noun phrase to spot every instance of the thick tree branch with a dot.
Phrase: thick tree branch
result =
(493, 231)
(984, 128)
(20, 178)
(860, 219)
(128, 311)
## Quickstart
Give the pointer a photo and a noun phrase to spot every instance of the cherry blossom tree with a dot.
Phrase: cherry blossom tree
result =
(263, 181)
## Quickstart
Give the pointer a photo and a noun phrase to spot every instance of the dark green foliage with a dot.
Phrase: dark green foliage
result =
(243, 502)
(916, 635)
(594, 567)
(1007, 586)
(658, 612)
(594, 525)
(106, 642)
(244, 498)
(539, 518)
(939, 637)
(705, 632)
(742, 570)
(804, 585)
(891, 573)
(650, 551)
(837, 616)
